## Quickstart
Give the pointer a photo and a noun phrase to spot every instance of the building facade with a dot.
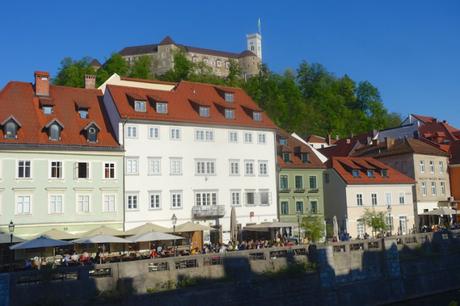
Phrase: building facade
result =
(194, 152)
(300, 180)
(355, 184)
(60, 164)
(162, 56)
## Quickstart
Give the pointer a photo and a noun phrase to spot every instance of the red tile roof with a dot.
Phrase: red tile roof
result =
(424, 119)
(18, 99)
(181, 102)
(316, 139)
(440, 132)
(295, 147)
(343, 167)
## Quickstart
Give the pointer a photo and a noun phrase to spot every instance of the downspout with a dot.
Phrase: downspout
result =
(124, 183)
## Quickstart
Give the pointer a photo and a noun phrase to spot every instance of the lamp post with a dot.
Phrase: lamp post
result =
(174, 221)
(298, 224)
(11, 230)
(390, 221)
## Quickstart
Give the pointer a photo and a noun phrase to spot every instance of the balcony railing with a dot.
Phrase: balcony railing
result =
(208, 212)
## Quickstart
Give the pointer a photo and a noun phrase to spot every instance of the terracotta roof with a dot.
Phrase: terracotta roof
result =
(295, 147)
(137, 50)
(316, 139)
(342, 147)
(181, 110)
(148, 81)
(18, 99)
(342, 166)
(401, 146)
(167, 41)
(424, 119)
(440, 132)
(95, 62)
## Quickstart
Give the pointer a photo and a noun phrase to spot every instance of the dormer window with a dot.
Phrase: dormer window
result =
(384, 172)
(54, 130)
(229, 113)
(286, 157)
(47, 109)
(10, 130)
(161, 107)
(204, 111)
(304, 157)
(370, 173)
(283, 141)
(140, 106)
(83, 112)
(91, 132)
(257, 116)
(355, 173)
(229, 97)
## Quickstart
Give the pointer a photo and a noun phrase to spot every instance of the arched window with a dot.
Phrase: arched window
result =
(92, 134)
(54, 132)
(10, 130)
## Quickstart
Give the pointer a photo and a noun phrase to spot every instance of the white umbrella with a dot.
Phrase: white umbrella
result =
(147, 227)
(335, 227)
(6, 238)
(40, 242)
(100, 239)
(153, 236)
(233, 225)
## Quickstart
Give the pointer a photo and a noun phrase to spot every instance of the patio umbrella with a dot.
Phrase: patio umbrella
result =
(39, 242)
(335, 227)
(103, 230)
(190, 227)
(153, 236)
(6, 238)
(145, 228)
(233, 225)
(441, 211)
(57, 234)
(100, 239)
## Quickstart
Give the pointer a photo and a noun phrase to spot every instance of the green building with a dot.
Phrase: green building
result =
(300, 180)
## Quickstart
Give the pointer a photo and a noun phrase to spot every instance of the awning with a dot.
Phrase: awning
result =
(100, 239)
(263, 227)
(441, 211)
(190, 227)
(57, 234)
(153, 236)
(147, 227)
(6, 238)
(40, 242)
(103, 230)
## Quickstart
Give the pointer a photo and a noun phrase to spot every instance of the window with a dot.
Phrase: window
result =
(236, 198)
(108, 203)
(54, 132)
(422, 166)
(360, 229)
(441, 167)
(132, 202)
(284, 182)
(384, 172)
(263, 168)
(131, 132)
(204, 111)
(299, 207)
(355, 173)
(154, 132)
(176, 199)
(257, 116)
(204, 135)
(359, 199)
(431, 166)
(154, 166)
(132, 165)
(140, 106)
(175, 166)
(388, 198)
(313, 182)
(264, 197)
(154, 200)
(443, 187)
(285, 208)
(248, 167)
(109, 170)
(298, 182)
(218, 63)
(161, 107)
(262, 138)
(229, 113)
(314, 207)
(47, 110)
(401, 198)
(433, 188)
(233, 137)
(423, 189)
(174, 134)
(229, 97)
(23, 205)
(55, 204)
(250, 198)
(83, 203)
(234, 167)
(286, 157)
(91, 133)
(56, 169)
(283, 141)
(83, 113)
(248, 137)
(403, 225)
(10, 130)
(24, 169)
(205, 198)
(205, 167)
(370, 173)
(374, 199)
(82, 170)
(305, 157)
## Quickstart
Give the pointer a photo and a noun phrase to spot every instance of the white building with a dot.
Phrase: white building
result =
(194, 151)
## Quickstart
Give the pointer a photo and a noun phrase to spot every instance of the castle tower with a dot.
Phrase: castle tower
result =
(254, 42)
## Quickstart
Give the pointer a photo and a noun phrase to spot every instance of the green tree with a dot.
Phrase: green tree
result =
(115, 64)
(182, 70)
(375, 220)
(313, 227)
(142, 68)
(72, 72)
(234, 74)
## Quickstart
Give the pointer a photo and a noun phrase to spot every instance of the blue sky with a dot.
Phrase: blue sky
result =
(409, 49)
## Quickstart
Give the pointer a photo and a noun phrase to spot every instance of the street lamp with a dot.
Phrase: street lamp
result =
(174, 221)
(390, 221)
(11, 230)
(298, 224)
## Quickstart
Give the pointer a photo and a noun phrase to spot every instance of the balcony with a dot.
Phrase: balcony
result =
(208, 212)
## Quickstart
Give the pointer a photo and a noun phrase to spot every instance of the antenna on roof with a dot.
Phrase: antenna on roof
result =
(259, 26)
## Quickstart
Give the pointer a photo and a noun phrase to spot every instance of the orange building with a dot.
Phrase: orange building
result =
(454, 169)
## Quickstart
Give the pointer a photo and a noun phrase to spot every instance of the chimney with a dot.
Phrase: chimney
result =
(90, 81)
(42, 83)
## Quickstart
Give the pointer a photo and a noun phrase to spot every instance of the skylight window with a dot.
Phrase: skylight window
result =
(83, 112)
(229, 113)
(47, 110)
(161, 107)
(204, 111)
(140, 106)
(355, 173)
(257, 116)
(370, 173)
(229, 97)
(384, 172)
